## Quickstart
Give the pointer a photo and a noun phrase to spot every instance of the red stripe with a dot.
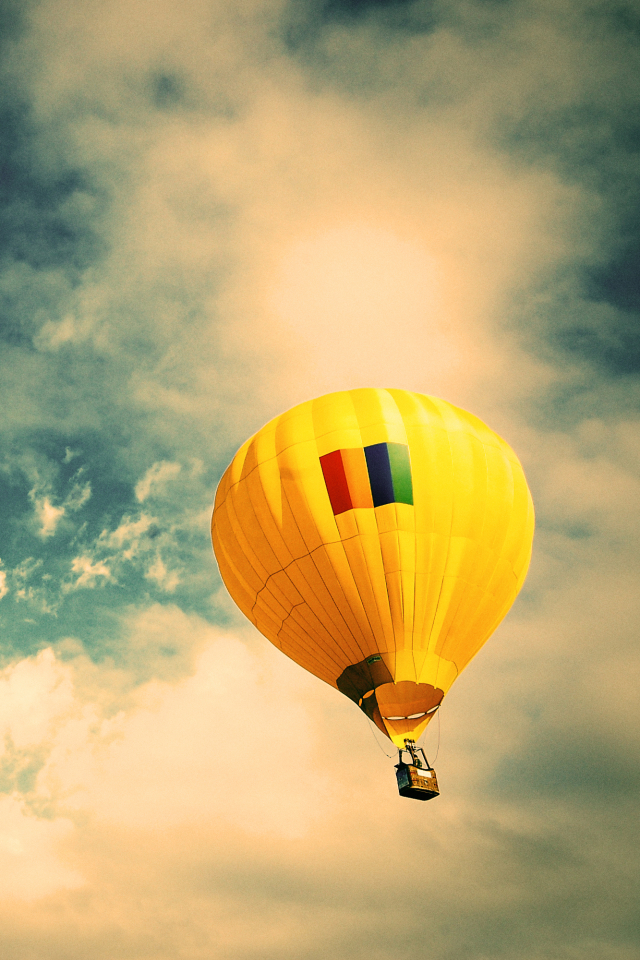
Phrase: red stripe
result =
(336, 481)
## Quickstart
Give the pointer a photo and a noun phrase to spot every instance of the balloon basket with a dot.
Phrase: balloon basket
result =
(416, 779)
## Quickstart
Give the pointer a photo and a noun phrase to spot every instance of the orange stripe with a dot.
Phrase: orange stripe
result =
(357, 475)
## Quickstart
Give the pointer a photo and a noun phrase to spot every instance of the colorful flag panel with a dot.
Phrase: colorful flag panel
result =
(368, 477)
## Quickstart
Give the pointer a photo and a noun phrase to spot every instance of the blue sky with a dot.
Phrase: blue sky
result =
(212, 211)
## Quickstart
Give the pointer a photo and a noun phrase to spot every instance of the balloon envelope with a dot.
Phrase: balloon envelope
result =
(378, 538)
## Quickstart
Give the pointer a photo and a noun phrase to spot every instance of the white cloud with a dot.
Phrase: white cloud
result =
(179, 752)
(34, 694)
(132, 541)
(356, 287)
(30, 854)
(155, 478)
(22, 573)
(48, 516)
(195, 749)
(127, 537)
(166, 579)
(52, 335)
(36, 700)
(4, 589)
(76, 499)
(41, 594)
(89, 572)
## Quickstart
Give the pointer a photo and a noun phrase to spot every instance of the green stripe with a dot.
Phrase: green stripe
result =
(400, 472)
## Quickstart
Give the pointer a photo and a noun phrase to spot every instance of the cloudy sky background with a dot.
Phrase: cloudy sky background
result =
(212, 211)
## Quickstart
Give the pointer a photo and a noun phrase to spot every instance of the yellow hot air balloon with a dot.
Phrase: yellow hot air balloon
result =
(378, 538)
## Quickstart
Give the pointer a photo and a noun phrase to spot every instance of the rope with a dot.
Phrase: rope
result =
(438, 747)
(372, 725)
(423, 738)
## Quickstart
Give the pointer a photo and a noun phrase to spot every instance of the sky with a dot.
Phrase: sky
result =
(213, 210)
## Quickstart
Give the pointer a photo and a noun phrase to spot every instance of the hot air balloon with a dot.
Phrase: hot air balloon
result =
(378, 538)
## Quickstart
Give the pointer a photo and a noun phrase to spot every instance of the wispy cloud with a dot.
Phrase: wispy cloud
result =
(166, 579)
(156, 478)
(47, 515)
(90, 574)
(128, 536)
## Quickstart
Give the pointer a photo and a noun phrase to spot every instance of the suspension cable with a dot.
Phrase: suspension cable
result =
(438, 747)
(390, 756)
(423, 738)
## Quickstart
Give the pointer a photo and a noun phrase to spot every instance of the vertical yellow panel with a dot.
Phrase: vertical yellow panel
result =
(254, 488)
(242, 593)
(434, 486)
(268, 471)
(399, 582)
(295, 641)
(470, 469)
(348, 524)
(294, 426)
(465, 547)
(380, 621)
(333, 411)
(333, 563)
(267, 605)
(267, 624)
(285, 585)
(236, 466)
(290, 530)
(378, 416)
(237, 547)
(355, 468)
(305, 489)
(240, 505)
(305, 574)
(371, 552)
(512, 545)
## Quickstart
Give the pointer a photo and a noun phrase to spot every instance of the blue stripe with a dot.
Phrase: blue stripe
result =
(379, 474)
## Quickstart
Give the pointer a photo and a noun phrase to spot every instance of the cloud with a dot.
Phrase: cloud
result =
(247, 785)
(173, 754)
(32, 868)
(90, 573)
(214, 212)
(45, 476)
(155, 478)
(167, 579)
(128, 535)
(48, 516)
(178, 758)
(51, 336)
(36, 695)
(78, 496)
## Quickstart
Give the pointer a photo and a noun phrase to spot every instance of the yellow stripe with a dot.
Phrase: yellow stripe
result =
(357, 475)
